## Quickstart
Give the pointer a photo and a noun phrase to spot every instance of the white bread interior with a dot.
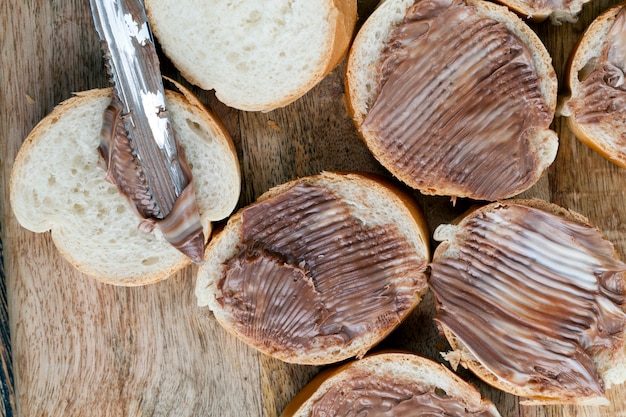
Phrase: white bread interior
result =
(58, 185)
(365, 57)
(611, 366)
(402, 367)
(372, 201)
(257, 56)
(598, 137)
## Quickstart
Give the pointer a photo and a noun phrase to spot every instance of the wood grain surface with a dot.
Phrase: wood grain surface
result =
(81, 348)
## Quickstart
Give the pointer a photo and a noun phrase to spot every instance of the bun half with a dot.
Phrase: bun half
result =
(596, 109)
(257, 56)
(530, 297)
(57, 184)
(319, 269)
(389, 381)
(454, 97)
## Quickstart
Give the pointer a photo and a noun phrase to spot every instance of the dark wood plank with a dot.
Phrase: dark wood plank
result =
(7, 383)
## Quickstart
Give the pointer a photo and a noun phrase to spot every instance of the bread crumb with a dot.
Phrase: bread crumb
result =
(453, 357)
(273, 125)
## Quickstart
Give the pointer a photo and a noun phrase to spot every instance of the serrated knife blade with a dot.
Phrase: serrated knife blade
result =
(149, 142)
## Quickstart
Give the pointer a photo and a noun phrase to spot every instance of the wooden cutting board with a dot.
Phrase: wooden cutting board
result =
(81, 348)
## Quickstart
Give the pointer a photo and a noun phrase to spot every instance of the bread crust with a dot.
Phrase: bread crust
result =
(226, 245)
(362, 68)
(344, 29)
(59, 219)
(539, 14)
(417, 369)
(461, 355)
(588, 47)
(341, 15)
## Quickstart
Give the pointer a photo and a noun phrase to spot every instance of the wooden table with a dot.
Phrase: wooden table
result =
(81, 348)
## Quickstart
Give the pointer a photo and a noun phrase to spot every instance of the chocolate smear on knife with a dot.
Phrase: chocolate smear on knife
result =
(138, 144)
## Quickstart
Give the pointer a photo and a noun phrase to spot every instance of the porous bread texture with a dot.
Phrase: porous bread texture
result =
(373, 201)
(257, 56)
(365, 55)
(364, 60)
(402, 368)
(58, 185)
(611, 366)
(598, 137)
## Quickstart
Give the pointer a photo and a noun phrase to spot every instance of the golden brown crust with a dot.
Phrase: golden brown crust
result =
(528, 11)
(460, 354)
(310, 389)
(590, 140)
(541, 60)
(341, 16)
(523, 10)
(225, 245)
(42, 223)
(430, 373)
(344, 29)
(589, 45)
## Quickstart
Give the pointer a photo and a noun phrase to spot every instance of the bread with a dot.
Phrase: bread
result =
(538, 11)
(596, 108)
(454, 97)
(399, 381)
(318, 269)
(57, 185)
(530, 297)
(257, 56)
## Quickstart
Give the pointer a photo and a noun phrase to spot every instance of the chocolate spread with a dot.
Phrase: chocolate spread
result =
(364, 394)
(533, 296)
(310, 275)
(458, 97)
(181, 226)
(603, 88)
(533, 7)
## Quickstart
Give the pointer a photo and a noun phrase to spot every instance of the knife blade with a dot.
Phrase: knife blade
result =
(139, 146)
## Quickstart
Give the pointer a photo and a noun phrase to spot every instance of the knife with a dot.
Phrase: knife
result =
(138, 143)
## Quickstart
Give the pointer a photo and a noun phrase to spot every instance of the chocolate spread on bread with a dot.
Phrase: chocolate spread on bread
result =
(366, 394)
(181, 226)
(603, 87)
(310, 274)
(458, 98)
(551, 5)
(533, 296)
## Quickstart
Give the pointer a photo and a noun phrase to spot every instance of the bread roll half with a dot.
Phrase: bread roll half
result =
(58, 185)
(454, 97)
(531, 299)
(256, 55)
(319, 269)
(596, 109)
(389, 383)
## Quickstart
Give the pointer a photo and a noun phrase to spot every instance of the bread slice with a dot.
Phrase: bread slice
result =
(318, 269)
(389, 381)
(454, 97)
(542, 314)
(257, 56)
(58, 185)
(596, 108)
(540, 10)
